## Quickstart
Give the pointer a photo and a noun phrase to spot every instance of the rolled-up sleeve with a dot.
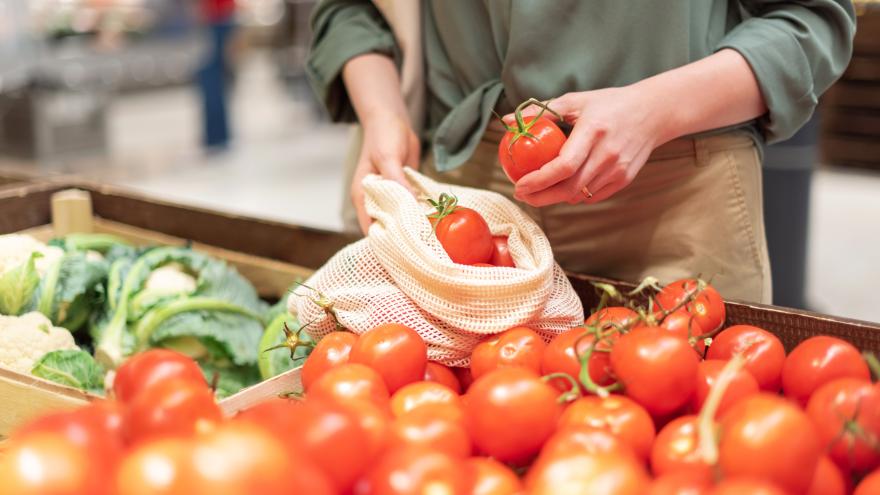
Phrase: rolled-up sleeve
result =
(796, 49)
(343, 29)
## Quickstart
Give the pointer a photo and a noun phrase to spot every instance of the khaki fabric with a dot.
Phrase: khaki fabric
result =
(696, 208)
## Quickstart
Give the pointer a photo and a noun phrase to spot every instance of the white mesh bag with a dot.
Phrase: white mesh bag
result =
(401, 274)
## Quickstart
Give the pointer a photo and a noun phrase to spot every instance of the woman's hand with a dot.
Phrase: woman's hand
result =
(615, 130)
(389, 145)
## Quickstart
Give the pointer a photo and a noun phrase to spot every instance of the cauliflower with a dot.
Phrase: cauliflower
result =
(170, 279)
(25, 339)
(15, 249)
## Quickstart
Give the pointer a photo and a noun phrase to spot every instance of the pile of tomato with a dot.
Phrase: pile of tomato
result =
(653, 398)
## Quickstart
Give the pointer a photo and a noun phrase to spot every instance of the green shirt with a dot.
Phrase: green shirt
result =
(492, 54)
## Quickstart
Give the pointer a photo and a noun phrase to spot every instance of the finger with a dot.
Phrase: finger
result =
(619, 174)
(392, 169)
(608, 190)
(413, 155)
(572, 190)
(358, 197)
(572, 157)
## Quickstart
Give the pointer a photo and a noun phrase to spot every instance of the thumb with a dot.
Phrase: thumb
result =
(392, 169)
(556, 109)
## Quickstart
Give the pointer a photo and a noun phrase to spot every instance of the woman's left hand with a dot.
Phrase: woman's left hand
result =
(615, 130)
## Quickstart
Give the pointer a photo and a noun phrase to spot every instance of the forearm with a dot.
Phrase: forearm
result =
(373, 87)
(717, 91)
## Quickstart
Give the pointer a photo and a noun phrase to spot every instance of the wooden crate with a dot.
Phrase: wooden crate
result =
(27, 210)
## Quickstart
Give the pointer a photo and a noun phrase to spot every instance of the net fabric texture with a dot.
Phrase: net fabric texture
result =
(400, 273)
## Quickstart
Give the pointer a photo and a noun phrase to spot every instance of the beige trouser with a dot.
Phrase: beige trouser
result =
(695, 208)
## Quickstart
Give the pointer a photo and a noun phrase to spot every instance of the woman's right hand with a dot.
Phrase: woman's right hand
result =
(389, 145)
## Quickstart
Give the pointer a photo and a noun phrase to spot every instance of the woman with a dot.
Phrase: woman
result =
(667, 100)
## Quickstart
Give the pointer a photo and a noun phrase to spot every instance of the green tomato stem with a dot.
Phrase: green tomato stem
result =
(707, 446)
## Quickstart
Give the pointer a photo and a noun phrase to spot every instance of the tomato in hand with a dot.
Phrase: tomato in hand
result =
(870, 485)
(440, 373)
(518, 346)
(676, 450)
(171, 408)
(817, 361)
(396, 351)
(742, 385)
(149, 368)
(420, 394)
(616, 414)
(510, 412)
(704, 304)
(767, 437)
(529, 145)
(579, 472)
(762, 350)
(425, 428)
(350, 381)
(463, 233)
(560, 356)
(827, 480)
(332, 350)
(846, 413)
(680, 483)
(414, 471)
(501, 254)
(489, 477)
(656, 368)
(49, 463)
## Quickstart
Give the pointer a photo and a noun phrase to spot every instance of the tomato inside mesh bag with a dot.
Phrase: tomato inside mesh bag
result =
(400, 273)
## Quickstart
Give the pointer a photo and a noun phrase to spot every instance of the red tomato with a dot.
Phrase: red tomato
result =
(742, 385)
(414, 471)
(95, 428)
(768, 437)
(332, 350)
(529, 146)
(465, 377)
(706, 305)
(501, 254)
(657, 369)
(817, 361)
(239, 457)
(324, 432)
(146, 369)
(373, 420)
(489, 477)
(439, 373)
(676, 450)
(870, 485)
(827, 480)
(351, 381)
(424, 428)
(396, 351)
(585, 439)
(846, 413)
(560, 356)
(463, 233)
(170, 408)
(510, 412)
(616, 414)
(518, 346)
(763, 352)
(579, 472)
(419, 394)
(746, 486)
(683, 324)
(615, 318)
(49, 463)
(680, 483)
(157, 467)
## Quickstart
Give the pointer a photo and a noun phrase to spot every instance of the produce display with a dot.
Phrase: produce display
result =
(75, 308)
(651, 395)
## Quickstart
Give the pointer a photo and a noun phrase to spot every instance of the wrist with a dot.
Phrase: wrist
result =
(661, 107)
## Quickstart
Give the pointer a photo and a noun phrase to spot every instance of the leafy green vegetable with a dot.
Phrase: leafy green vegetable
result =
(229, 380)
(74, 368)
(17, 286)
(101, 243)
(71, 289)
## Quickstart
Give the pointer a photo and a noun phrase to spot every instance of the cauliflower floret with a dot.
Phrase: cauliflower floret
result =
(25, 339)
(170, 279)
(15, 249)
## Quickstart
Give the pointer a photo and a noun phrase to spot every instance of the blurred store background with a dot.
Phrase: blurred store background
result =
(117, 91)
